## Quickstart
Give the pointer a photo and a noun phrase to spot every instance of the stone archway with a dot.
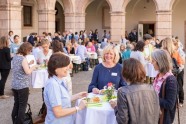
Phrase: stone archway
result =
(47, 14)
(98, 17)
(142, 13)
(59, 17)
(179, 20)
(126, 2)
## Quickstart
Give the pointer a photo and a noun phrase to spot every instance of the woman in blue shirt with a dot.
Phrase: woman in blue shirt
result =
(108, 71)
(56, 94)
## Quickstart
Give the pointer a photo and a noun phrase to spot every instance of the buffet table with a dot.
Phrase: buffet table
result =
(101, 113)
(39, 78)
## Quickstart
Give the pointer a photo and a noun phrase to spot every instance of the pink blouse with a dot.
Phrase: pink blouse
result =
(159, 81)
(91, 49)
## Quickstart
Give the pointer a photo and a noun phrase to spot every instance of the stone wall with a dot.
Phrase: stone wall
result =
(169, 21)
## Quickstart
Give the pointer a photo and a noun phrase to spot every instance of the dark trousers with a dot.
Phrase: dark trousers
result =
(4, 76)
(20, 104)
(180, 86)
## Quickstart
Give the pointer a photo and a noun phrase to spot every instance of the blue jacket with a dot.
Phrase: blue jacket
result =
(102, 76)
(169, 101)
(31, 40)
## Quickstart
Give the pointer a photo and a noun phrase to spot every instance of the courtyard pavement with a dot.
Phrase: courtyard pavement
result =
(80, 82)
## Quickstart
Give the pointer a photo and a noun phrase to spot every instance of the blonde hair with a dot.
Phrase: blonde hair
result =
(167, 45)
(109, 48)
(3, 42)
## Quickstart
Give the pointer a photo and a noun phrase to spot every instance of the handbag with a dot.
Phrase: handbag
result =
(28, 116)
(162, 110)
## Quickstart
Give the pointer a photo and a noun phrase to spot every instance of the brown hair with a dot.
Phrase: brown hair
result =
(3, 42)
(133, 71)
(57, 46)
(57, 60)
(24, 48)
(139, 46)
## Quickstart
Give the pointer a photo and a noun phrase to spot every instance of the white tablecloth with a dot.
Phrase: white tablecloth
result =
(92, 55)
(39, 78)
(75, 59)
(150, 71)
(100, 52)
(96, 115)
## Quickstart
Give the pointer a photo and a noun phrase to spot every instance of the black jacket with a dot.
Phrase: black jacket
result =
(169, 102)
(5, 58)
(31, 40)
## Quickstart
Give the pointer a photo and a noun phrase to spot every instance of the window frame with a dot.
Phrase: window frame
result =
(30, 15)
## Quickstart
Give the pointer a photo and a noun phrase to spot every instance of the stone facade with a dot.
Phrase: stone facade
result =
(75, 12)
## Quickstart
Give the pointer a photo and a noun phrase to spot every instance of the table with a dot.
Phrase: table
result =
(100, 52)
(96, 115)
(150, 71)
(39, 78)
(75, 59)
(92, 55)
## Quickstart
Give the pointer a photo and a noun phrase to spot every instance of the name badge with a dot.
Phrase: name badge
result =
(114, 74)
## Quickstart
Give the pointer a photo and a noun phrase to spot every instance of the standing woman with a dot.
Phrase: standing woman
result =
(15, 45)
(138, 52)
(168, 45)
(137, 103)
(165, 85)
(5, 64)
(58, 47)
(45, 53)
(56, 95)
(20, 82)
(108, 71)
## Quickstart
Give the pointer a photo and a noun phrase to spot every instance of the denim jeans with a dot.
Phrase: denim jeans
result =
(20, 104)
(4, 76)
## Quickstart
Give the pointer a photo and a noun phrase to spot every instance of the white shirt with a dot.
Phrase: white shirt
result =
(42, 56)
(123, 41)
(139, 56)
(35, 52)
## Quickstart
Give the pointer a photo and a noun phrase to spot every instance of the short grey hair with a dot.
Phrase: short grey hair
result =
(163, 60)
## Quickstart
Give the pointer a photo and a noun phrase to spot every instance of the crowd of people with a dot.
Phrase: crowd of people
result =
(123, 64)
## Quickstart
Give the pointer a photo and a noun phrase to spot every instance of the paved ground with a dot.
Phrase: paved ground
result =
(80, 82)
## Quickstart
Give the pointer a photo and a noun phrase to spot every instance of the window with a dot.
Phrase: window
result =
(27, 15)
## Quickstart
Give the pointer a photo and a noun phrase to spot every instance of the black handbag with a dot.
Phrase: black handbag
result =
(28, 116)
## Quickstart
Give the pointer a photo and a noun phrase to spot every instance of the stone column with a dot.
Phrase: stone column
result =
(117, 25)
(46, 21)
(79, 21)
(163, 24)
(70, 22)
(10, 19)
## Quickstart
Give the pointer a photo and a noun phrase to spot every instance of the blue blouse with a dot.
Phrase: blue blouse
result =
(55, 94)
(102, 76)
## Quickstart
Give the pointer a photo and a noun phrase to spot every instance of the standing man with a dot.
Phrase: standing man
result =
(133, 36)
